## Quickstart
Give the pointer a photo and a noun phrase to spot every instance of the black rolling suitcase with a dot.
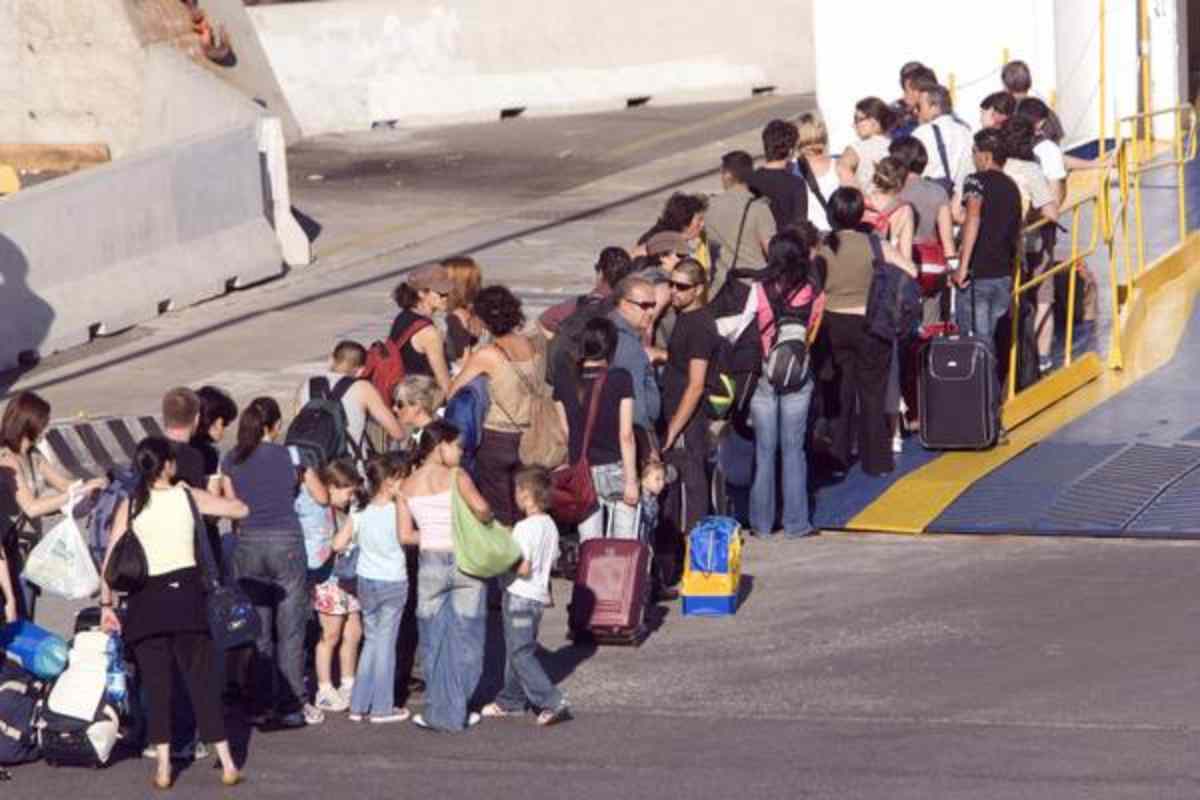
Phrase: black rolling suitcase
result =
(959, 393)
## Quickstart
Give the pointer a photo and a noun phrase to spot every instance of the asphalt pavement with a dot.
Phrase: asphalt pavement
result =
(857, 667)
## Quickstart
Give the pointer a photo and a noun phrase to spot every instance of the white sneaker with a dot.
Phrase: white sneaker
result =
(331, 700)
(344, 692)
(897, 444)
(397, 715)
(313, 715)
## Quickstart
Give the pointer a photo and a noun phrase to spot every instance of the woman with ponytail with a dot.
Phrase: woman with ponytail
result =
(270, 560)
(166, 622)
(451, 616)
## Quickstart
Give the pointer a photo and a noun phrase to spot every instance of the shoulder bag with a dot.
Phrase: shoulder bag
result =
(543, 442)
(481, 549)
(232, 619)
(572, 492)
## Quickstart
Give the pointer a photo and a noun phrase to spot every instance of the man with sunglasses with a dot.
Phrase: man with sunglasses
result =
(633, 315)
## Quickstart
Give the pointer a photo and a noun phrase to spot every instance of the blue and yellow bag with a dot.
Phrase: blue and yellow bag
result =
(713, 567)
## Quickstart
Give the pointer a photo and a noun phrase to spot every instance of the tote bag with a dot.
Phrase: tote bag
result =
(482, 550)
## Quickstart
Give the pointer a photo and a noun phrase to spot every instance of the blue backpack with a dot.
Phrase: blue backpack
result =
(122, 480)
(466, 411)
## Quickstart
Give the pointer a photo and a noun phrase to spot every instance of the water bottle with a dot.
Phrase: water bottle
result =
(115, 687)
(36, 649)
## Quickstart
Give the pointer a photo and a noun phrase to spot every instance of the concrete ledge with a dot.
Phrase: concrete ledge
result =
(108, 248)
(54, 157)
(345, 65)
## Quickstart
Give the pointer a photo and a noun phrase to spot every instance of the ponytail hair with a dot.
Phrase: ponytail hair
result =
(259, 417)
(149, 459)
(405, 296)
(435, 433)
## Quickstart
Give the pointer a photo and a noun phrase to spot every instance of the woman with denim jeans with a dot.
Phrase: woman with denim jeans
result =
(790, 281)
(379, 531)
(270, 560)
(451, 614)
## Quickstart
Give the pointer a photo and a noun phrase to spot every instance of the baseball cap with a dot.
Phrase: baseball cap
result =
(431, 277)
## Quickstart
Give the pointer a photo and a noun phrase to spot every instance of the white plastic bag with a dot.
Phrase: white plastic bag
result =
(60, 563)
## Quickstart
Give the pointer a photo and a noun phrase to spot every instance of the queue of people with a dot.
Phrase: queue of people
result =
(741, 316)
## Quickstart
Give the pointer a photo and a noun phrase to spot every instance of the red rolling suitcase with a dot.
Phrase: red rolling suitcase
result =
(612, 586)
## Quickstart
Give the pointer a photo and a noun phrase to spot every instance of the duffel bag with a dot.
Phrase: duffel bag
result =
(19, 693)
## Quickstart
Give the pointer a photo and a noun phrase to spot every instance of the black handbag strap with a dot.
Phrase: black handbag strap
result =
(941, 148)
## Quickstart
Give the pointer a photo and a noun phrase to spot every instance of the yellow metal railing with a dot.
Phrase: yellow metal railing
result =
(1127, 260)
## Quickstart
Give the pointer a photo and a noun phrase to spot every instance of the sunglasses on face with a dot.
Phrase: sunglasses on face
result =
(681, 287)
(644, 305)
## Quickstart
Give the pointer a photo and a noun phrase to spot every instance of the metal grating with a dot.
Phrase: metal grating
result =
(1176, 511)
(1013, 497)
(1110, 497)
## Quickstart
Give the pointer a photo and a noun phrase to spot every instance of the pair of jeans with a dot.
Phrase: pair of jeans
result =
(452, 622)
(991, 298)
(271, 569)
(622, 520)
(525, 681)
(375, 682)
(780, 430)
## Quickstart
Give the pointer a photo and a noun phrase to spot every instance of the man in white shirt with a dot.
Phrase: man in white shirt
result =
(950, 160)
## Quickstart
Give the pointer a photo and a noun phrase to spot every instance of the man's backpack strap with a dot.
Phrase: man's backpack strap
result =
(340, 388)
(318, 388)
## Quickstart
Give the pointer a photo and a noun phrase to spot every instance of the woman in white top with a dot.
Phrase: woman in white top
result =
(872, 119)
(813, 147)
(451, 615)
(166, 622)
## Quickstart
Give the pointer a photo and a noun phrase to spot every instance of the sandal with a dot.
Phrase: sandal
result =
(554, 716)
(496, 710)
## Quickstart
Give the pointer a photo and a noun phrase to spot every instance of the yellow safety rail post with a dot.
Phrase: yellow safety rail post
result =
(1144, 63)
(1116, 358)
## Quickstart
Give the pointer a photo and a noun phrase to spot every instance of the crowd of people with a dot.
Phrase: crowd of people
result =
(728, 347)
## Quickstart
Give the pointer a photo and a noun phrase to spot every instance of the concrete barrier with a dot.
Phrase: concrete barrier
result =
(107, 248)
(88, 448)
(345, 65)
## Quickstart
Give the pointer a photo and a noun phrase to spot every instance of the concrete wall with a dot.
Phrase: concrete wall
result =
(251, 71)
(115, 245)
(73, 70)
(861, 45)
(348, 63)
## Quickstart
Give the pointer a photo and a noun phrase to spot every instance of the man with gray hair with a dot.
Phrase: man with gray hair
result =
(947, 140)
(632, 316)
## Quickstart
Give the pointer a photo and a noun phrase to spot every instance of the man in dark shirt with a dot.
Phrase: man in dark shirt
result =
(787, 193)
(989, 238)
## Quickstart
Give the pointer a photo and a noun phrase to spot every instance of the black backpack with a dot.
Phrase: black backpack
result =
(566, 348)
(319, 431)
(19, 694)
(893, 301)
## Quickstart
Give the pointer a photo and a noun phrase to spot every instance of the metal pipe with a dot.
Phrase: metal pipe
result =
(1103, 77)
(1181, 200)
(1013, 350)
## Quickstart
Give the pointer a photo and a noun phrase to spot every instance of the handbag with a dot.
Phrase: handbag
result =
(543, 441)
(481, 549)
(127, 568)
(232, 619)
(572, 491)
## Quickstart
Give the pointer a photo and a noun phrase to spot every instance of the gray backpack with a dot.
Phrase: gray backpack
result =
(786, 364)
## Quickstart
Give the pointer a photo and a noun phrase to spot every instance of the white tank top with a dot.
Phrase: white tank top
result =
(431, 514)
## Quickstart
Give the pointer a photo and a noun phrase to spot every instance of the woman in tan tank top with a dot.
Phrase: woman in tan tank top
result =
(515, 365)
